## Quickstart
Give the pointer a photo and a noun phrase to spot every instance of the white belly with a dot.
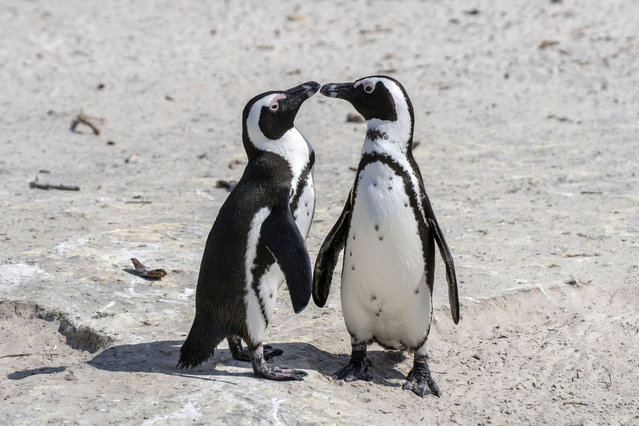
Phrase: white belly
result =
(384, 292)
(260, 307)
(306, 207)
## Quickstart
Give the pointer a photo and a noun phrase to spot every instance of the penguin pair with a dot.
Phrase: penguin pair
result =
(387, 231)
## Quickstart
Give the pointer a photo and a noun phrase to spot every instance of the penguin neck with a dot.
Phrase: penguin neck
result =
(388, 137)
(292, 146)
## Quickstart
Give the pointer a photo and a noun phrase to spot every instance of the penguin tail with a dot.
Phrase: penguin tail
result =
(201, 342)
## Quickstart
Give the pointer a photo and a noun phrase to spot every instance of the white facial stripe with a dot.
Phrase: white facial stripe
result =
(253, 119)
(398, 131)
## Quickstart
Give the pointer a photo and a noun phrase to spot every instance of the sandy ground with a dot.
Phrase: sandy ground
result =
(526, 116)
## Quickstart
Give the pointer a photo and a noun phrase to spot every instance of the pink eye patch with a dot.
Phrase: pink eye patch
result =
(276, 98)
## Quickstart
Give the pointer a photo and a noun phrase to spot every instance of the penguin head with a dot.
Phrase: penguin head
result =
(268, 116)
(380, 99)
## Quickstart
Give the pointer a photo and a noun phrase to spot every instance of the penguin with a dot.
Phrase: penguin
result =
(257, 239)
(388, 232)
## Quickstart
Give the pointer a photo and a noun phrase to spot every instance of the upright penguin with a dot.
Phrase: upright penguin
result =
(257, 239)
(388, 232)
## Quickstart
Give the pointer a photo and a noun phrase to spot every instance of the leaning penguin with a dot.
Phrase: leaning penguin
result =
(257, 240)
(388, 232)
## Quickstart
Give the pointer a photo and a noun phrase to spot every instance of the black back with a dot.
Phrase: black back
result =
(220, 288)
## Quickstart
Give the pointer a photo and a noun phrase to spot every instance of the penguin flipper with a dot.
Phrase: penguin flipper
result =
(281, 236)
(329, 253)
(447, 257)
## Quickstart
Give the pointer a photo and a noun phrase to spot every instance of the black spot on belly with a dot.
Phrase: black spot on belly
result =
(353, 236)
(353, 267)
(390, 188)
(416, 291)
(381, 237)
(373, 298)
(377, 227)
(405, 204)
(270, 295)
(307, 213)
(374, 183)
(306, 204)
(377, 314)
(350, 253)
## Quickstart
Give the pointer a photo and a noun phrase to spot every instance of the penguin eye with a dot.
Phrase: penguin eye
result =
(274, 107)
(369, 88)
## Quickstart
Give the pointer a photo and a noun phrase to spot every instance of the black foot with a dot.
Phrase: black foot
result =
(357, 368)
(242, 354)
(419, 379)
(273, 373)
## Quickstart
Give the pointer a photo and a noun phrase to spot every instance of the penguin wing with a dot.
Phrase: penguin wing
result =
(447, 257)
(281, 236)
(329, 253)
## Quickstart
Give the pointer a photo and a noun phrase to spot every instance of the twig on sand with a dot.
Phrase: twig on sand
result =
(574, 403)
(547, 43)
(559, 118)
(609, 378)
(83, 119)
(46, 186)
(14, 355)
(145, 272)
(622, 50)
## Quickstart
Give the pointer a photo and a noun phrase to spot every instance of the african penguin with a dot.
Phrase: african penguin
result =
(257, 240)
(388, 231)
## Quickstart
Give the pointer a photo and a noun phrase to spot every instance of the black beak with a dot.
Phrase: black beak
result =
(338, 90)
(296, 96)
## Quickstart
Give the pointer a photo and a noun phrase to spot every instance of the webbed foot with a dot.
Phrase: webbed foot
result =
(419, 379)
(357, 368)
(261, 369)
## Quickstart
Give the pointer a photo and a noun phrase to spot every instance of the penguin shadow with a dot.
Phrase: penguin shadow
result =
(161, 357)
(384, 367)
(308, 357)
